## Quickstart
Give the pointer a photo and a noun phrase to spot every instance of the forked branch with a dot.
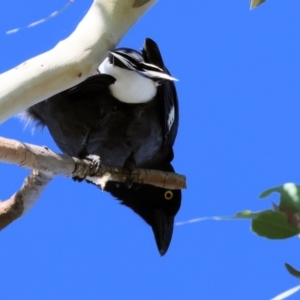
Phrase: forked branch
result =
(46, 164)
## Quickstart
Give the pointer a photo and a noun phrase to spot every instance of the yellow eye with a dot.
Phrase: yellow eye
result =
(168, 195)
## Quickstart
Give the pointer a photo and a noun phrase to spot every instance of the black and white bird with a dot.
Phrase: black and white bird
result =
(128, 115)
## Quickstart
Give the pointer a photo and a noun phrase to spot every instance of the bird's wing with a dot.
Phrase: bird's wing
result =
(90, 85)
(80, 92)
(167, 91)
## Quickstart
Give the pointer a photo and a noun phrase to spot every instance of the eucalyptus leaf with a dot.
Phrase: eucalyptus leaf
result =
(289, 196)
(255, 3)
(292, 270)
(273, 225)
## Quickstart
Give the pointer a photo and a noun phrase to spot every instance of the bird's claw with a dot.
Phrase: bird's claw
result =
(95, 166)
(96, 163)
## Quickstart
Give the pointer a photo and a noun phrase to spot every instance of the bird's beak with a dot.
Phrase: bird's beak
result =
(163, 230)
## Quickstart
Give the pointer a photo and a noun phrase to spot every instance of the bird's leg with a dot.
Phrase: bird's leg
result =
(83, 149)
(130, 165)
(83, 153)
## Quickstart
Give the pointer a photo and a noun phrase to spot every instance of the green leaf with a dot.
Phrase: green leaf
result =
(255, 3)
(289, 196)
(273, 225)
(292, 270)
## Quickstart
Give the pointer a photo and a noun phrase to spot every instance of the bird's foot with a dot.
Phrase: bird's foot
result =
(95, 166)
(96, 163)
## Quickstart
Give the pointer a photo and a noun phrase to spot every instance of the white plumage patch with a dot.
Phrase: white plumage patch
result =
(130, 87)
(150, 71)
(171, 118)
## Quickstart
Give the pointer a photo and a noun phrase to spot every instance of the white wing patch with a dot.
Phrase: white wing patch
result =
(171, 118)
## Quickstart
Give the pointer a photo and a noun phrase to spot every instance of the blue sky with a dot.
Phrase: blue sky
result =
(239, 135)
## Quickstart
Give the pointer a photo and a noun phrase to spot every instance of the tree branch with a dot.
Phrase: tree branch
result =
(47, 164)
(23, 200)
(45, 160)
(43, 76)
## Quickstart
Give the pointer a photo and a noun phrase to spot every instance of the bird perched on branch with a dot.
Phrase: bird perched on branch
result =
(128, 115)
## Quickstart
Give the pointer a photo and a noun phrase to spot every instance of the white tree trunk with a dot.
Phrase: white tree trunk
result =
(71, 60)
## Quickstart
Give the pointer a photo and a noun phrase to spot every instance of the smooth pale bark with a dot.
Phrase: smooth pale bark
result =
(71, 60)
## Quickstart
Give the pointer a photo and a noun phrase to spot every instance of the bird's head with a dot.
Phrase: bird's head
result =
(157, 206)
